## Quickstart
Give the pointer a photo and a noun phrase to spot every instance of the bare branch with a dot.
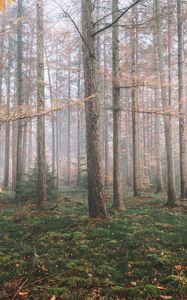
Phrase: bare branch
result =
(77, 28)
(118, 18)
(13, 26)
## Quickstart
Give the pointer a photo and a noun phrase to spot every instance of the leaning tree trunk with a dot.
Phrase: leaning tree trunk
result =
(171, 190)
(97, 207)
(118, 201)
(41, 164)
(182, 103)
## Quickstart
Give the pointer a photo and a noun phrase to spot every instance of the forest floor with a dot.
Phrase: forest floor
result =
(61, 253)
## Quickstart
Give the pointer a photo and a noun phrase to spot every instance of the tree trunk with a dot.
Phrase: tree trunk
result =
(159, 178)
(106, 152)
(135, 116)
(69, 123)
(30, 147)
(171, 190)
(41, 163)
(118, 201)
(7, 126)
(19, 98)
(2, 58)
(52, 116)
(97, 207)
(79, 124)
(182, 103)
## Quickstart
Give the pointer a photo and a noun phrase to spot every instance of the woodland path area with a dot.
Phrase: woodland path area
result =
(61, 253)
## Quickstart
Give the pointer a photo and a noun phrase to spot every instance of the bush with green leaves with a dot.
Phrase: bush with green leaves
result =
(27, 189)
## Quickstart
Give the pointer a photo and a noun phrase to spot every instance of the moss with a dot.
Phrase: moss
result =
(176, 280)
(75, 257)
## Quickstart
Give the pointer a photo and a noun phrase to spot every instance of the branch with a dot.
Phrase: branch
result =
(77, 28)
(118, 18)
(108, 15)
(13, 26)
(29, 112)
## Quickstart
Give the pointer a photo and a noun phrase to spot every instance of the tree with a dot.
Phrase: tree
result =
(171, 190)
(7, 129)
(135, 116)
(69, 124)
(182, 103)
(118, 201)
(159, 179)
(41, 163)
(19, 96)
(97, 207)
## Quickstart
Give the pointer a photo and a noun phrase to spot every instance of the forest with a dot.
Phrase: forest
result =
(93, 149)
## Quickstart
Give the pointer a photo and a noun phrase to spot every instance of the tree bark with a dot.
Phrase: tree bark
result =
(79, 124)
(19, 98)
(171, 190)
(106, 152)
(135, 104)
(96, 202)
(7, 126)
(182, 103)
(2, 59)
(52, 117)
(69, 124)
(118, 201)
(159, 177)
(41, 163)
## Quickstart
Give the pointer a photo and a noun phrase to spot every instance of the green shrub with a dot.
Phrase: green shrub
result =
(27, 189)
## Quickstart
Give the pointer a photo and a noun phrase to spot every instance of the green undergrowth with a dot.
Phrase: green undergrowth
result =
(61, 253)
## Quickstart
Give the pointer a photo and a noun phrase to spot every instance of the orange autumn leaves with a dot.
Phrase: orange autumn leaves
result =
(3, 4)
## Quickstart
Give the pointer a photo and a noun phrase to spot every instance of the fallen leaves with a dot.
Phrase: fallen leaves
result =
(179, 268)
(23, 294)
(161, 288)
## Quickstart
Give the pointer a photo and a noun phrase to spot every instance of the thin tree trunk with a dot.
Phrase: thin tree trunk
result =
(58, 114)
(118, 201)
(52, 117)
(182, 103)
(24, 148)
(2, 58)
(169, 33)
(79, 125)
(30, 150)
(135, 116)
(171, 190)
(7, 126)
(106, 152)
(159, 179)
(69, 123)
(19, 99)
(41, 163)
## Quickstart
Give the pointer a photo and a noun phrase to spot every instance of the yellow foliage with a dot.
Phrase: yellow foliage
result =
(2, 4)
